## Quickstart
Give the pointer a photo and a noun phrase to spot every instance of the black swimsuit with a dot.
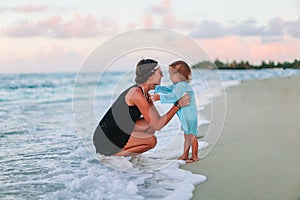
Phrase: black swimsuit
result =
(114, 130)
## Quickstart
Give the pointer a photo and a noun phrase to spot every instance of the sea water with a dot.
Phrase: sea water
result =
(46, 154)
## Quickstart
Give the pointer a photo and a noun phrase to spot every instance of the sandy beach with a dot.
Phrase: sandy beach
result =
(257, 155)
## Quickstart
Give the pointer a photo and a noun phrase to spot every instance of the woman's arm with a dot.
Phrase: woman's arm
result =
(150, 113)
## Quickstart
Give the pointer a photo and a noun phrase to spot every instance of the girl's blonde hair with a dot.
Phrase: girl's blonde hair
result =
(183, 68)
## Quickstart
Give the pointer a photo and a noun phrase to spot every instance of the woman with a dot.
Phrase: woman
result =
(129, 125)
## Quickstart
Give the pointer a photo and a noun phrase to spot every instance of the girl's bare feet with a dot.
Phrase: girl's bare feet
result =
(195, 159)
(188, 160)
(191, 160)
(183, 158)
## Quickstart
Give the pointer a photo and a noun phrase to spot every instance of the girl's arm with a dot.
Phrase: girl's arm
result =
(164, 89)
(177, 93)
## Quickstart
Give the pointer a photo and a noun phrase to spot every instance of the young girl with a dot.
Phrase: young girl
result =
(180, 75)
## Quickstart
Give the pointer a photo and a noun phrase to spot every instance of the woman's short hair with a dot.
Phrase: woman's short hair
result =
(182, 68)
(144, 69)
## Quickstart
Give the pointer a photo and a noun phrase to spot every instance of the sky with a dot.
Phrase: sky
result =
(53, 36)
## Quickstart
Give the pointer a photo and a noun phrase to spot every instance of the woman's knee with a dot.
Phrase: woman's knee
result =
(153, 142)
(150, 131)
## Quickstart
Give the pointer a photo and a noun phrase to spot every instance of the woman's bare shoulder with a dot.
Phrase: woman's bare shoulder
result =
(132, 95)
(134, 91)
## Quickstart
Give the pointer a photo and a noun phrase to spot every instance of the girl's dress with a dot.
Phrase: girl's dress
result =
(188, 115)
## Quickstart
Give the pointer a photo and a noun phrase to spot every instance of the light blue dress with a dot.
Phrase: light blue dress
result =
(188, 114)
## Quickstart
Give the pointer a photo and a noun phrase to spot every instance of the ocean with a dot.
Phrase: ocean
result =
(46, 126)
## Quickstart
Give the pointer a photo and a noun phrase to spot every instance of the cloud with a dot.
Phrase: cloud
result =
(293, 28)
(167, 18)
(56, 27)
(164, 7)
(209, 29)
(26, 8)
(29, 8)
(212, 29)
(273, 31)
(148, 21)
(246, 28)
(275, 27)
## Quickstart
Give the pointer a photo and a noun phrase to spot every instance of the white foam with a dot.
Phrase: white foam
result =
(131, 188)
(185, 182)
(231, 83)
(203, 122)
(200, 108)
(138, 177)
(117, 162)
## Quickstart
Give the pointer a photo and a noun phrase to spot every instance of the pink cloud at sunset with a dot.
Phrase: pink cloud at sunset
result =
(30, 8)
(56, 27)
(148, 21)
(163, 7)
(24, 8)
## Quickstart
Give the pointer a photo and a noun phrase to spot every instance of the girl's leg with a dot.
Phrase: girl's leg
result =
(195, 148)
(186, 148)
(190, 140)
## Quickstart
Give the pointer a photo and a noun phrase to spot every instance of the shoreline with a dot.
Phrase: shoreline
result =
(257, 155)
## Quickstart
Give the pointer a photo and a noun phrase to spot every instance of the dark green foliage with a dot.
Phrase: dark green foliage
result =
(246, 65)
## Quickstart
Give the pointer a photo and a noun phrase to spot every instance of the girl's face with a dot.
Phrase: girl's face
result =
(175, 76)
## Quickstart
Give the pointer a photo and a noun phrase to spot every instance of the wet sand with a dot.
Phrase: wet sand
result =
(258, 153)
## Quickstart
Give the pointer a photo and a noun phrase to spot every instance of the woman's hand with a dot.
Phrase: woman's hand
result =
(184, 100)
